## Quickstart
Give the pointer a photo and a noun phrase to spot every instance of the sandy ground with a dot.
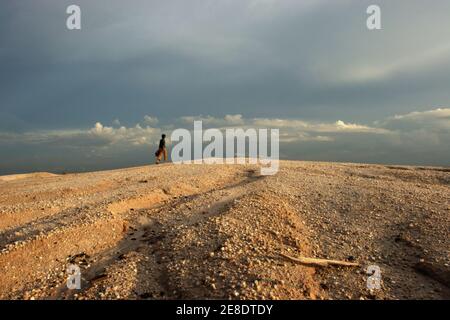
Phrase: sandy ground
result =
(217, 232)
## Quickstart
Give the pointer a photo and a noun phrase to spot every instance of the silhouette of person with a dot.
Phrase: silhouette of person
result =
(162, 151)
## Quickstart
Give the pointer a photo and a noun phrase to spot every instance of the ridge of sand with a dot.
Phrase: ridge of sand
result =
(13, 177)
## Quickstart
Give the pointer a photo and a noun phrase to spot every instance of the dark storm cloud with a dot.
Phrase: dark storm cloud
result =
(312, 60)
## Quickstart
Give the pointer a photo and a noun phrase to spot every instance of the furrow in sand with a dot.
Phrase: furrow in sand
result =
(50, 189)
(35, 255)
(203, 246)
(31, 211)
(41, 262)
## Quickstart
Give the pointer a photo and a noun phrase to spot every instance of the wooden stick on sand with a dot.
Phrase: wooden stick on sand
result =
(320, 262)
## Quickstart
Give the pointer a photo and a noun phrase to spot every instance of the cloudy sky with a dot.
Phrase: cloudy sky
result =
(100, 97)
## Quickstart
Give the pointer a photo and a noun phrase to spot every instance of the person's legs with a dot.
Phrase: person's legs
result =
(158, 156)
(165, 154)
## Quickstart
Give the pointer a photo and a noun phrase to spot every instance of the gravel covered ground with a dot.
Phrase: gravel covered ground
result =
(217, 232)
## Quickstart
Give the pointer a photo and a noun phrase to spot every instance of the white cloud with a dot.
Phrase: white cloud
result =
(338, 126)
(413, 132)
(99, 136)
(135, 135)
(151, 121)
(420, 129)
(228, 120)
(234, 119)
(423, 133)
(433, 120)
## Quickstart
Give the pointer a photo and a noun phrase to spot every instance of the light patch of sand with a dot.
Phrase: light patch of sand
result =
(137, 203)
(13, 177)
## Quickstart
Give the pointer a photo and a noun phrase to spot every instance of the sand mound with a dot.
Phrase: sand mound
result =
(220, 232)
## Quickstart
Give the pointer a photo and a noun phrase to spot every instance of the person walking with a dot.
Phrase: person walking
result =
(162, 151)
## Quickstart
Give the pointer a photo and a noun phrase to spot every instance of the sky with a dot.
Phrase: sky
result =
(99, 97)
